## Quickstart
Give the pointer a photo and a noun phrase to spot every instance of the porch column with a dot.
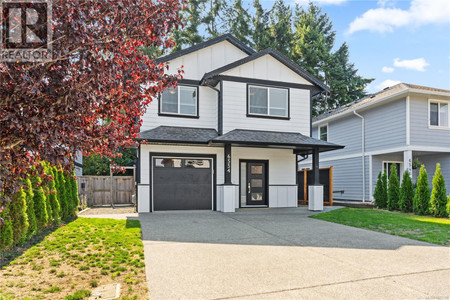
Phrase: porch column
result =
(407, 161)
(227, 164)
(315, 190)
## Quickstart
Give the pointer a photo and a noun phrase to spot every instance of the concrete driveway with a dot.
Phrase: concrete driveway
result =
(281, 254)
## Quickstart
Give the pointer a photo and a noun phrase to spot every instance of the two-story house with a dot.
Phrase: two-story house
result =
(229, 134)
(394, 126)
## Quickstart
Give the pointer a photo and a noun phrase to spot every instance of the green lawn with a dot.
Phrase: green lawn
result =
(422, 228)
(74, 259)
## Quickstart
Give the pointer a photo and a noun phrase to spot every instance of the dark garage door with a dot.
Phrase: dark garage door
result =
(182, 183)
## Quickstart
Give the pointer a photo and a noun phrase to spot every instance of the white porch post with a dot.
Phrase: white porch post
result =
(407, 161)
(315, 190)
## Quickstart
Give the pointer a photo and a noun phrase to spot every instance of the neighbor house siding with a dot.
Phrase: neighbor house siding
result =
(421, 133)
(235, 111)
(207, 113)
(430, 162)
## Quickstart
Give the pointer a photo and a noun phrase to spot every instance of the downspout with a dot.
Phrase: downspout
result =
(363, 154)
(219, 107)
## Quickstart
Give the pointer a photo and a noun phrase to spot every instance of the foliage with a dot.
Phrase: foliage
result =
(260, 34)
(32, 223)
(438, 199)
(406, 193)
(97, 71)
(238, 22)
(393, 189)
(40, 202)
(416, 163)
(380, 193)
(448, 205)
(6, 231)
(99, 166)
(18, 214)
(52, 195)
(189, 35)
(74, 193)
(421, 200)
(428, 229)
(281, 36)
(62, 195)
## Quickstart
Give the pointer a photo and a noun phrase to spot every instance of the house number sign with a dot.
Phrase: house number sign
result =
(229, 163)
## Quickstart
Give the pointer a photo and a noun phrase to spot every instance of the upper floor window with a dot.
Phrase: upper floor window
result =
(439, 114)
(182, 101)
(268, 101)
(323, 133)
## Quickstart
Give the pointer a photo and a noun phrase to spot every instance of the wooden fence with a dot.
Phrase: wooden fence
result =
(97, 190)
(326, 179)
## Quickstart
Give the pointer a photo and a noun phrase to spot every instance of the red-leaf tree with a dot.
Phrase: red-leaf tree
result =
(89, 95)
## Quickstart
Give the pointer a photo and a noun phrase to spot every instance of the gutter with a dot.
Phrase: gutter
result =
(363, 153)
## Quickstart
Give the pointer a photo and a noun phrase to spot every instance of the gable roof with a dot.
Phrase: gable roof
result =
(397, 90)
(226, 37)
(210, 76)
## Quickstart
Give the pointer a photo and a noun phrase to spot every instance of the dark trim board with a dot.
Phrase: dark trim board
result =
(266, 161)
(210, 156)
(264, 82)
(77, 164)
(249, 115)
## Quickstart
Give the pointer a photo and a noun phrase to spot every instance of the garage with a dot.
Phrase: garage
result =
(182, 183)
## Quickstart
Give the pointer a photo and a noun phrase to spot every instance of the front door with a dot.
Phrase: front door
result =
(256, 183)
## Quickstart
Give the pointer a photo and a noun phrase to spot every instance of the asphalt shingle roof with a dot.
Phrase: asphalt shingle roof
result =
(179, 134)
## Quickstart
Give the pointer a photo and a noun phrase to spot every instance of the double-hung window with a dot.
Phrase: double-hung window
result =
(268, 101)
(439, 114)
(323, 133)
(181, 101)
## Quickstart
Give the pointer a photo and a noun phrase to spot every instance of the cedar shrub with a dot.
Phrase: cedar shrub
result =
(32, 223)
(40, 202)
(61, 193)
(380, 192)
(53, 195)
(438, 199)
(406, 193)
(19, 219)
(393, 189)
(422, 196)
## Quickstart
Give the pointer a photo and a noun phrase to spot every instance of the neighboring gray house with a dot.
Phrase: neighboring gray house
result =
(393, 126)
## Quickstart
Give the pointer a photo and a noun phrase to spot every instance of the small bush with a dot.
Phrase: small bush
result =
(6, 231)
(53, 199)
(406, 193)
(422, 197)
(93, 284)
(393, 189)
(40, 202)
(380, 193)
(438, 200)
(32, 223)
(448, 205)
(61, 193)
(19, 218)
(74, 190)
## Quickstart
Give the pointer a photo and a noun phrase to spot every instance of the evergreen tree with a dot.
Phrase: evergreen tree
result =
(74, 191)
(448, 205)
(380, 192)
(438, 200)
(69, 196)
(6, 231)
(393, 189)
(19, 218)
(238, 22)
(406, 193)
(61, 193)
(213, 19)
(422, 197)
(260, 34)
(53, 198)
(40, 202)
(280, 28)
(29, 194)
(191, 18)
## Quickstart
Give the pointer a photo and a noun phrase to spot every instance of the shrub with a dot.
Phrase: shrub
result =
(74, 191)
(40, 205)
(406, 193)
(6, 231)
(380, 193)
(422, 197)
(47, 202)
(29, 194)
(19, 218)
(61, 193)
(448, 205)
(438, 200)
(69, 196)
(393, 189)
(52, 195)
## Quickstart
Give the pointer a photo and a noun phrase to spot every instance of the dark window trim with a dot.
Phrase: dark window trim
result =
(266, 161)
(250, 115)
(214, 165)
(164, 114)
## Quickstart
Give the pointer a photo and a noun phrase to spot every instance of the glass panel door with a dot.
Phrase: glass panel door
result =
(256, 183)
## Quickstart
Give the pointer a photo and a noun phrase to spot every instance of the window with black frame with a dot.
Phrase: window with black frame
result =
(182, 101)
(268, 101)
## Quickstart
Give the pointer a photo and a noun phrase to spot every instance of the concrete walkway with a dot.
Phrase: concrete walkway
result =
(282, 254)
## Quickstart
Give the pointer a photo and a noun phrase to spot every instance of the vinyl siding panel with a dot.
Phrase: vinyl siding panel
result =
(421, 134)
(197, 63)
(207, 113)
(267, 68)
(430, 162)
(235, 111)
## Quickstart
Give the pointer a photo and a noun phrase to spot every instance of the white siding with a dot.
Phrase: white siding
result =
(207, 113)
(197, 63)
(267, 68)
(235, 111)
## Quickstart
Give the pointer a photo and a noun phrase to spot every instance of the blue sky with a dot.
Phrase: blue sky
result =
(393, 41)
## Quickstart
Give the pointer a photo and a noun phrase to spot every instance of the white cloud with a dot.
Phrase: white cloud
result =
(420, 12)
(387, 83)
(387, 69)
(323, 2)
(417, 64)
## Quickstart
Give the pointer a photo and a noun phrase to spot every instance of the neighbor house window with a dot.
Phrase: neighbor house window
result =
(323, 133)
(182, 100)
(439, 114)
(268, 101)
